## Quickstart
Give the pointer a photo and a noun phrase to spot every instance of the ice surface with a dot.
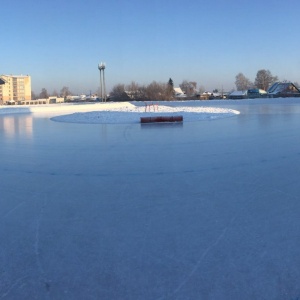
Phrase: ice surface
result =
(199, 210)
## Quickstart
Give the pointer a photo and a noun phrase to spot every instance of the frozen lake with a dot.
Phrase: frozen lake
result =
(199, 210)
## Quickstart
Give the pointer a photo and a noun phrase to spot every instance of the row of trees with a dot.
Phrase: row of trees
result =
(154, 91)
(134, 91)
(263, 80)
(165, 91)
(64, 92)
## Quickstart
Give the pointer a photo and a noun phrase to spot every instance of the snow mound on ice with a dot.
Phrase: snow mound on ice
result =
(121, 112)
(132, 114)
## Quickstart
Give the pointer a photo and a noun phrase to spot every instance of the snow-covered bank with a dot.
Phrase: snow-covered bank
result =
(60, 108)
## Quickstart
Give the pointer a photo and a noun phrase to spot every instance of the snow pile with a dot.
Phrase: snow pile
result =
(132, 114)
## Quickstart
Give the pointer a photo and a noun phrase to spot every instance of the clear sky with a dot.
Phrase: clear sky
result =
(60, 43)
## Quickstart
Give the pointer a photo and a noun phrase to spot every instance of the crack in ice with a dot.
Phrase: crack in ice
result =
(37, 245)
(13, 209)
(197, 265)
(13, 286)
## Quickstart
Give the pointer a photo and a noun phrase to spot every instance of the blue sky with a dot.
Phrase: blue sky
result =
(60, 43)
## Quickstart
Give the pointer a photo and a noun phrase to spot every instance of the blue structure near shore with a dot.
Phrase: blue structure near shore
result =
(283, 89)
(248, 94)
(277, 90)
(238, 95)
(257, 93)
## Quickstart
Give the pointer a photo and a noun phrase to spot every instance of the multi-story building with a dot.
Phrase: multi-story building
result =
(15, 87)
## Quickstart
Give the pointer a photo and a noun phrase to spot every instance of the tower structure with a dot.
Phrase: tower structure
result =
(101, 68)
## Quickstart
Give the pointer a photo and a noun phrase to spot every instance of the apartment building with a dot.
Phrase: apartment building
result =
(15, 87)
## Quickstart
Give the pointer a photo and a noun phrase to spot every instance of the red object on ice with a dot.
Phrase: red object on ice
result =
(160, 119)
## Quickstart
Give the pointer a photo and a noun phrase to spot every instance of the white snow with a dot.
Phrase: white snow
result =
(132, 114)
(123, 112)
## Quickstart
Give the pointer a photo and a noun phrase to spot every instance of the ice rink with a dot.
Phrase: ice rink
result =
(200, 210)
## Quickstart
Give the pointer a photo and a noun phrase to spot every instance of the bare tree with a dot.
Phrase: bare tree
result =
(135, 91)
(64, 92)
(44, 94)
(242, 83)
(118, 93)
(264, 79)
(157, 91)
(189, 87)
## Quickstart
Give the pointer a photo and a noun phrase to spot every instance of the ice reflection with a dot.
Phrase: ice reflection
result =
(16, 125)
(161, 125)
